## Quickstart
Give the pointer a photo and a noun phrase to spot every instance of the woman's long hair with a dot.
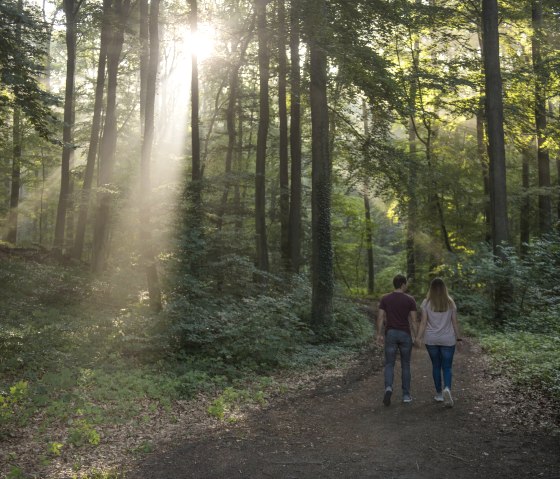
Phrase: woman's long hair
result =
(438, 296)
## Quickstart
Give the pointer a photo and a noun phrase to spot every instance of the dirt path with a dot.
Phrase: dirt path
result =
(342, 430)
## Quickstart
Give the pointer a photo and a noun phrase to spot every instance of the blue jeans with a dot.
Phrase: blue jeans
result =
(442, 360)
(402, 341)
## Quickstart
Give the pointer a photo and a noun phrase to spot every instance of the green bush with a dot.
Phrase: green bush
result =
(13, 407)
(530, 359)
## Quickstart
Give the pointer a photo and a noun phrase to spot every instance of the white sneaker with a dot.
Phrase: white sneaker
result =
(447, 399)
(406, 398)
(438, 397)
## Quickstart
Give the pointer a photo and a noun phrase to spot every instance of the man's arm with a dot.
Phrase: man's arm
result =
(381, 317)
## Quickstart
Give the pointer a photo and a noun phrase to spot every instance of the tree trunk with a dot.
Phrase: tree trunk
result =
(119, 14)
(94, 134)
(543, 161)
(283, 120)
(294, 227)
(483, 160)
(233, 98)
(525, 207)
(15, 183)
(495, 123)
(151, 69)
(412, 206)
(369, 224)
(496, 148)
(260, 177)
(71, 8)
(321, 241)
(369, 246)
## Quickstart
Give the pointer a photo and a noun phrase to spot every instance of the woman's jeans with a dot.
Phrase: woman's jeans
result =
(442, 360)
(402, 341)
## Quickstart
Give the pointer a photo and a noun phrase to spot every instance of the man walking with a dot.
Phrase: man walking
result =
(396, 321)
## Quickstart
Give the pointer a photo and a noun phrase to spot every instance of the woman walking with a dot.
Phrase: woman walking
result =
(439, 330)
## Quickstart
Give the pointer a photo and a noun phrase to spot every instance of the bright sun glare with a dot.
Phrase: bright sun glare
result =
(202, 42)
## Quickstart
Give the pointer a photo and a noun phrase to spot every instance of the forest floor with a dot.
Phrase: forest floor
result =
(341, 429)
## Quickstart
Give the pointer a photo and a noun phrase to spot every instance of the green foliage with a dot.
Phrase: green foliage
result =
(231, 399)
(526, 345)
(530, 359)
(16, 473)
(83, 433)
(13, 405)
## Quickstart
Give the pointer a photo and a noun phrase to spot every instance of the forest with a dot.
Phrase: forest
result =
(198, 195)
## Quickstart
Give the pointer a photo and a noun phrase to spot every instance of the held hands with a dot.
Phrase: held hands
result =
(380, 340)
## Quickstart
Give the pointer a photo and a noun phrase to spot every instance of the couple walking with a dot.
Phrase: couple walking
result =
(438, 329)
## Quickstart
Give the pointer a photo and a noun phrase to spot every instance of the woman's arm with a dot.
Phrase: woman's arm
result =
(422, 327)
(455, 324)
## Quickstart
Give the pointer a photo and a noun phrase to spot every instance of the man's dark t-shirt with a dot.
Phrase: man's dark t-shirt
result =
(397, 306)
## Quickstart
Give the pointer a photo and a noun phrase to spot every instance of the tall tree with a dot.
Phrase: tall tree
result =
(234, 136)
(71, 9)
(146, 155)
(15, 183)
(283, 146)
(119, 15)
(264, 113)
(540, 76)
(495, 122)
(321, 242)
(496, 147)
(89, 173)
(294, 228)
(196, 173)
(367, 209)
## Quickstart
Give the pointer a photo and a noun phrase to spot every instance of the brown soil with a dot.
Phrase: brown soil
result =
(342, 430)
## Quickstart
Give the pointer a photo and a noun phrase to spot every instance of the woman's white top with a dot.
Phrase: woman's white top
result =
(439, 329)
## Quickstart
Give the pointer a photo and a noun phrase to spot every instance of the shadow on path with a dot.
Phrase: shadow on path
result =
(344, 431)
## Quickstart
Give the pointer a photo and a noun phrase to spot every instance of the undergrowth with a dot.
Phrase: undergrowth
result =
(525, 344)
(78, 354)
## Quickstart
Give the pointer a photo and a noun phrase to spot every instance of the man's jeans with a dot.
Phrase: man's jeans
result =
(396, 339)
(442, 359)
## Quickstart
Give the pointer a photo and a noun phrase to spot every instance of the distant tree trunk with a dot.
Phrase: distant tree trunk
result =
(233, 99)
(495, 123)
(15, 184)
(369, 245)
(283, 119)
(482, 151)
(71, 8)
(294, 228)
(321, 241)
(108, 146)
(483, 160)
(369, 224)
(412, 206)
(525, 207)
(195, 122)
(230, 124)
(260, 177)
(146, 152)
(496, 148)
(543, 160)
(196, 164)
(94, 135)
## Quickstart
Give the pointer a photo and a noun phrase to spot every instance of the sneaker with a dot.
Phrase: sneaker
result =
(438, 397)
(447, 397)
(406, 398)
(387, 397)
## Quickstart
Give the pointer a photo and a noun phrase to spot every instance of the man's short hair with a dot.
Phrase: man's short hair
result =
(398, 281)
